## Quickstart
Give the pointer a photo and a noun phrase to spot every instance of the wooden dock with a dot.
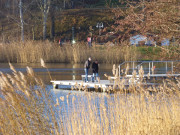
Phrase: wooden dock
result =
(105, 84)
(102, 86)
(156, 75)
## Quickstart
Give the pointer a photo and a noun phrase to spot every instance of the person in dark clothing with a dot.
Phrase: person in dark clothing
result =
(95, 68)
(86, 68)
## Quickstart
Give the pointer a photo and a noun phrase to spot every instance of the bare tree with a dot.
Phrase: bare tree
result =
(44, 6)
(21, 19)
(48, 7)
(154, 17)
(108, 3)
(52, 18)
(14, 5)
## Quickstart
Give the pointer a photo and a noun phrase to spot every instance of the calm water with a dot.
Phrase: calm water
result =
(57, 71)
(69, 72)
(62, 72)
(73, 71)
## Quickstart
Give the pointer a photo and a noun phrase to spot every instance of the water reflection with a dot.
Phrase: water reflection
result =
(77, 99)
(74, 67)
(57, 71)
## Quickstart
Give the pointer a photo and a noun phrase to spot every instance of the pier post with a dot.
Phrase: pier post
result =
(152, 69)
(55, 86)
(166, 67)
(172, 67)
(133, 66)
(149, 68)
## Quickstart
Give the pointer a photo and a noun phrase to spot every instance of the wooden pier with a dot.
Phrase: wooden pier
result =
(156, 75)
(67, 84)
(104, 84)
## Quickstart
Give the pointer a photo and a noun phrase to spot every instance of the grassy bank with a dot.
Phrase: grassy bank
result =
(32, 51)
(160, 53)
(28, 109)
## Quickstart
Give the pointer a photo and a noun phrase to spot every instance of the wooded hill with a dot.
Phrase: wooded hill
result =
(54, 19)
(62, 15)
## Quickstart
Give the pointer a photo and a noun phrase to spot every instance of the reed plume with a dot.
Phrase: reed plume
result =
(26, 107)
(44, 66)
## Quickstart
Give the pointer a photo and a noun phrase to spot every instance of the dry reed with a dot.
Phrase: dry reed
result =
(146, 110)
(132, 114)
(33, 51)
(125, 114)
(27, 108)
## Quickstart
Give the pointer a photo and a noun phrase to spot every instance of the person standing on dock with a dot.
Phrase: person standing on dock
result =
(95, 70)
(86, 68)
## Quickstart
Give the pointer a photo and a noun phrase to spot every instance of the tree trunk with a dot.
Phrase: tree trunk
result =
(21, 19)
(52, 25)
(46, 6)
(64, 4)
(44, 25)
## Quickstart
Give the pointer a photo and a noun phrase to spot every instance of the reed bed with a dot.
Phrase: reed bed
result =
(28, 108)
(130, 111)
(123, 114)
(32, 51)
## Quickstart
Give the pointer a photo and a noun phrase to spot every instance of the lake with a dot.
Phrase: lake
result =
(58, 71)
(80, 112)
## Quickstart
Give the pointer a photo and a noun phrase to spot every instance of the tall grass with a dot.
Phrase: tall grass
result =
(28, 108)
(134, 110)
(25, 106)
(32, 51)
(130, 114)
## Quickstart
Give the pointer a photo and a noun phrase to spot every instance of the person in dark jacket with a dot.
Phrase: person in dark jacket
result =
(86, 68)
(95, 68)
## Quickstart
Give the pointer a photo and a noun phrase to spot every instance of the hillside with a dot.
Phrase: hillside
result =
(81, 19)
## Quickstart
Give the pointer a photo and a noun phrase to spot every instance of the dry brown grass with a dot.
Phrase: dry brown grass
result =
(32, 51)
(137, 113)
(27, 108)
(134, 110)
